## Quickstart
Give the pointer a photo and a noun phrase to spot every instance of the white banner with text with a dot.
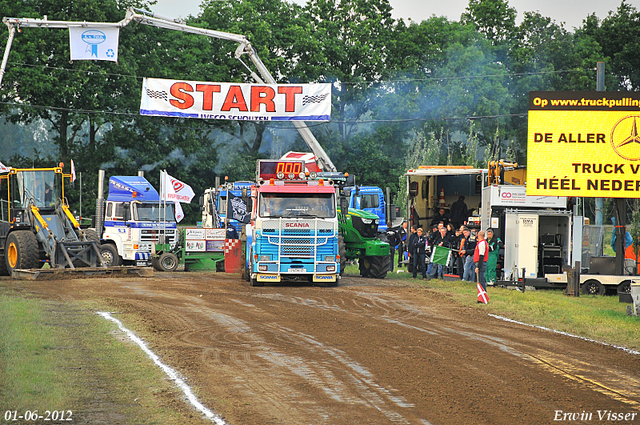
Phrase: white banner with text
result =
(235, 101)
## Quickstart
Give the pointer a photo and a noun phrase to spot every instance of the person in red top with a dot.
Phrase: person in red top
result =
(480, 257)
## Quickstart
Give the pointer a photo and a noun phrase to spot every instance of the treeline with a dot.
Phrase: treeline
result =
(404, 93)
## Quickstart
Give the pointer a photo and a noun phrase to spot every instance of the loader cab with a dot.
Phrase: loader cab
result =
(19, 189)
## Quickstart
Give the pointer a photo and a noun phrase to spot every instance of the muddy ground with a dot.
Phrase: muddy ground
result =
(367, 352)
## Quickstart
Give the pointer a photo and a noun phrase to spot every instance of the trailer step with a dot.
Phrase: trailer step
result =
(81, 272)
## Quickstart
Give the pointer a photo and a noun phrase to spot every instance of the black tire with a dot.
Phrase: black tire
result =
(593, 287)
(624, 287)
(110, 256)
(168, 262)
(342, 250)
(92, 236)
(3, 267)
(253, 282)
(21, 251)
(375, 267)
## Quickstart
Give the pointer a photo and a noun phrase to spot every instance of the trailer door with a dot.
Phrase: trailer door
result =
(527, 244)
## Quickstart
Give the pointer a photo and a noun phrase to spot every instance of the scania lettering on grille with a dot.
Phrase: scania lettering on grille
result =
(298, 225)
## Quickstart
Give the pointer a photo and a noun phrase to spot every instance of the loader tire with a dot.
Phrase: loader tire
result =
(3, 267)
(342, 249)
(375, 267)
(21, 251)
(92, 236)
(110, 256)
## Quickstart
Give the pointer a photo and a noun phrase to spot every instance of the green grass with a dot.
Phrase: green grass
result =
(601, 318)
(62, 356)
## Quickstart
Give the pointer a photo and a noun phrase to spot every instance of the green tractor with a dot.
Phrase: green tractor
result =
(359, 240)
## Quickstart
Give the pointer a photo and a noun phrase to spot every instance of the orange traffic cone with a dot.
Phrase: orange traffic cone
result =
(441, 198)
(482, 295)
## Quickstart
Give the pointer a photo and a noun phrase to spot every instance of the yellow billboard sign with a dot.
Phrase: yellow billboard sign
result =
(584, 144)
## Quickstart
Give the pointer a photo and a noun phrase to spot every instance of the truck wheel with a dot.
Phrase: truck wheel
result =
(110, 256)
(21, 251)
(342, 250)
(168, 261)
(593, 287)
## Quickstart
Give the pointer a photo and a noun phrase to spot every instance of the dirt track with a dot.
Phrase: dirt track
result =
(367, 352)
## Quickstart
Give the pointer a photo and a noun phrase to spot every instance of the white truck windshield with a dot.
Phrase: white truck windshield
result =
(289, 205)
(152, 212)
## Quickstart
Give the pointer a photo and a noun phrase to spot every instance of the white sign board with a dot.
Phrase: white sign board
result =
(506, 195)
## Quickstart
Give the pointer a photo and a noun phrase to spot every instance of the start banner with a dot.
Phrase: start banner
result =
(235, 101)
(584, 144)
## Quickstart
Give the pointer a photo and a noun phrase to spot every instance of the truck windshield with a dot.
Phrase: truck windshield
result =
(289, 205)
(152, 212)
(40, 187)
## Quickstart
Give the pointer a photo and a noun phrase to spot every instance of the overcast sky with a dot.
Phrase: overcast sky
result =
(571, 12)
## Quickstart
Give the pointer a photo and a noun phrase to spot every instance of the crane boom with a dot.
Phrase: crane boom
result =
(155, 20)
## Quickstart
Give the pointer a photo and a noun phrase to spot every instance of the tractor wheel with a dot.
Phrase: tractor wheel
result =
(21, 251)
(379, 266)
(168, 262)
(110, 255)
(342, 250)
(375, 267)
(593, 287)
(364, 264)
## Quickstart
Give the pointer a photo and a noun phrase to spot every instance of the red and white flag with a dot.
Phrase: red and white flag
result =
(4, 168)
(178, 213)
(482, 295)
(175, 190)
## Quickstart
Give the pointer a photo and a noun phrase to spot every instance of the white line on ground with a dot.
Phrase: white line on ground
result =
(567, 334)
(170, 372)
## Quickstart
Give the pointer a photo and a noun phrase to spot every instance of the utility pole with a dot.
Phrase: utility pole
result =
(600, 201)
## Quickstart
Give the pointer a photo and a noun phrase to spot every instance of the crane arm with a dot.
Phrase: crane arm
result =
(155, 20)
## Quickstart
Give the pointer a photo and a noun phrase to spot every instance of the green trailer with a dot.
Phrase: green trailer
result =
(197, 249)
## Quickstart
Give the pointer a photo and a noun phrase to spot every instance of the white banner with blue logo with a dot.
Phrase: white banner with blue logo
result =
(98, 43)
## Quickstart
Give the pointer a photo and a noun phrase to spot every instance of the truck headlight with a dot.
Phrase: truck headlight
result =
(262, 268)
(265, 258)
(329, 258)
(377, 221)
(331, 268)
(367, 221)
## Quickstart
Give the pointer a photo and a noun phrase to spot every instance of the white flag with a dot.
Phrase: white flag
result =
(97, 43)
(4, 168)
(175, 190)
(73, 171)
(178, 213)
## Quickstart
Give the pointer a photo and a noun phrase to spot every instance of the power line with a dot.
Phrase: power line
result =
(400, 120)
(405, 80)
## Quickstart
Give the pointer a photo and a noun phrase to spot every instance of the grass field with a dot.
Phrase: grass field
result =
(61, 356)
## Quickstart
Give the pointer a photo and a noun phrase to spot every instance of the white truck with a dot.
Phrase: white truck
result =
(132, 220)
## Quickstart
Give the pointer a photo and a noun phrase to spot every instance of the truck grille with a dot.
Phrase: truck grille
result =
(312, 240)
(147, 235)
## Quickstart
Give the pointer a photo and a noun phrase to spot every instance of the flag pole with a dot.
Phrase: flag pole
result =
(80, 194)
